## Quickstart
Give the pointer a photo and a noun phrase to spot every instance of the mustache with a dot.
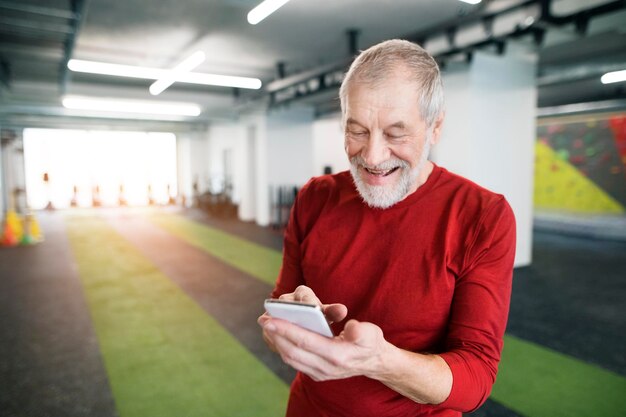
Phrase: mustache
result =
(386, 165)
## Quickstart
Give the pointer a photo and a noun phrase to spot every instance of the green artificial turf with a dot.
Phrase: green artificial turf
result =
(538, 382)
(256, 260)
(164, 355)
(533, 381)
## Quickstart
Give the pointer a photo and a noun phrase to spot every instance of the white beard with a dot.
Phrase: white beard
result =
(385, 196)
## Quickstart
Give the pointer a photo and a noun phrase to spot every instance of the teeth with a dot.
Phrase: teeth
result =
(379, 172)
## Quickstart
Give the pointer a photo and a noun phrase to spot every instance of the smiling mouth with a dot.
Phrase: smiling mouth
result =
(381, 172)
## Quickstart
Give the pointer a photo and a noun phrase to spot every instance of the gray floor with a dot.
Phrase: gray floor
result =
(50, 362)
(571, 299)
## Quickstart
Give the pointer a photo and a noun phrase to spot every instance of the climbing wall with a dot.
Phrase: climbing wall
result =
(580, 164)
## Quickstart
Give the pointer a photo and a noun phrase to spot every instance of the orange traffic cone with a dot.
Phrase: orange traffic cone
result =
(14, 222)
(8, 237)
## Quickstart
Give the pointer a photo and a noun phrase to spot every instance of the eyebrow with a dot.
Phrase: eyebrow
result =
(351, 121)
(399, 125)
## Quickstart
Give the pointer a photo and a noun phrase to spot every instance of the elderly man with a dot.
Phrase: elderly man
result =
(411, 263)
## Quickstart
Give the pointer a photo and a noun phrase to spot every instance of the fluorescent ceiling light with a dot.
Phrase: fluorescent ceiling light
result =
(613, 77)
(130, 106)
(148, 73)
(471, 1)
(264, 9)
(185, 66)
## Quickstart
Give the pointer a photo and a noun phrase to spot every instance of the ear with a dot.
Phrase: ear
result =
(436, 128)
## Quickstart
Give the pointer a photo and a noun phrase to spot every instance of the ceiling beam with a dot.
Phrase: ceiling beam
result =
(78, 8)
(580, 16)
(37, 52)
(36, 26)
(37, 10)
(579, 72)
(302, 85)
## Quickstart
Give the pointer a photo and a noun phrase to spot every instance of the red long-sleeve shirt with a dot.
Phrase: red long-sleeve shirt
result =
(433, 271)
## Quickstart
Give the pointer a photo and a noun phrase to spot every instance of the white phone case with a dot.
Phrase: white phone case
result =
(309, 316)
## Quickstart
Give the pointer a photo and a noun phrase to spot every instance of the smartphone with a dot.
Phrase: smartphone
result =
(309, 316)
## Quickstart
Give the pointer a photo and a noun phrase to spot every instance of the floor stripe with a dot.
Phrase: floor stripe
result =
(258, 261)
(536, 381)
(533, 380)
(230, 296)
(164, 355)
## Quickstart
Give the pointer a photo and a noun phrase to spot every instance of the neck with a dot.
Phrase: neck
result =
(422, 176)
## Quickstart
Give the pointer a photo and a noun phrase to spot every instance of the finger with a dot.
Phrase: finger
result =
(263, 318)
(335, 312)
(306, 295)
(301, 294)
(303, 338)
(269, 341)
(302, 360)
(287, 297)
(329, 349)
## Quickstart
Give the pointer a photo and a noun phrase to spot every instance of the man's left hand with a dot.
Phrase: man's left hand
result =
(358, 350)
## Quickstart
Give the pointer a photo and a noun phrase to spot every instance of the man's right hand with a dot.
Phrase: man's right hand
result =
(303, 294)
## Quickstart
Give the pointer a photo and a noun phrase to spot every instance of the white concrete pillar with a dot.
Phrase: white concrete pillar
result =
(12, 169)
(248, 164)
(3, 196)
(489, 132)
(19, 172)
(261, 194)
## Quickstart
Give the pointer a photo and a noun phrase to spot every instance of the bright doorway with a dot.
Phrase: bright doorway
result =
(109, 168)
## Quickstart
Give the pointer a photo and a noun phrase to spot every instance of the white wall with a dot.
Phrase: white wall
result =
(192, 162)
(183, 168)
(290, 146)
(489, 132)
(283, 147)
(328, 149)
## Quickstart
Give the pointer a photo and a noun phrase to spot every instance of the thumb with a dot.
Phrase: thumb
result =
(361, 333)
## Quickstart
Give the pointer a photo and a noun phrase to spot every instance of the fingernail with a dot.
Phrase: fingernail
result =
(270, 327)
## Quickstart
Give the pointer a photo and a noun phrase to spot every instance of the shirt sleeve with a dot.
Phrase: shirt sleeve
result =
(290, 275)
(480, 309)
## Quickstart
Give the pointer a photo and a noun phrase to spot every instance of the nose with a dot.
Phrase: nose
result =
(375, 151)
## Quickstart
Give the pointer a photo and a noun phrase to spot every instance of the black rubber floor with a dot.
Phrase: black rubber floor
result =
(50, 362)
(571, 299)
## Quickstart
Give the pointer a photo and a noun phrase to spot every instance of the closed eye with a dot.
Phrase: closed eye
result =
(357, 133)
(398, 137)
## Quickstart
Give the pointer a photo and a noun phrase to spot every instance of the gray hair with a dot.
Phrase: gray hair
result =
(375, 63)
